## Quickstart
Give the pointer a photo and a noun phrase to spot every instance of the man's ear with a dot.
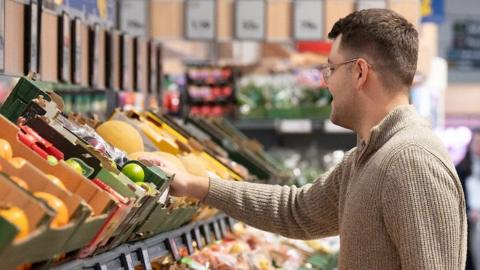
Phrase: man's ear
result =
(361, 71)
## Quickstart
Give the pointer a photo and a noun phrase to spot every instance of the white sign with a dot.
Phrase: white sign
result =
(295, 126)
(308, 20)
(133, 17)
(250, 19)
(200, 19)
(367, 4)
(330, 127)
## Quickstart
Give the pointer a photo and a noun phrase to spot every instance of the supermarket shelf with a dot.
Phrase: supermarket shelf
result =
(299, 134)
(276, 124)
(176, 242)
(313, 125)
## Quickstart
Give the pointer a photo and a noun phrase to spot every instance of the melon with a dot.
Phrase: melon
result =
(121, 135)
(171, 159)
(194, 164)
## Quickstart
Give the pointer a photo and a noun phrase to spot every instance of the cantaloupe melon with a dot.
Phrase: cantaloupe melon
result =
(121, 135)
(167, 157)
(194, 164)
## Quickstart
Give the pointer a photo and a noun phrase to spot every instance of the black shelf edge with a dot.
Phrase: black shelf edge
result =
(192, 101)
(215, 82)
(130, 255)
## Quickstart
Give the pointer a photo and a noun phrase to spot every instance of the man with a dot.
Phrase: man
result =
(472, 185)
(395, 199)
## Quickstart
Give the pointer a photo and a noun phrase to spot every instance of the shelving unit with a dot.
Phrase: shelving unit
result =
(270, 134)
(210, 91)
(176, 243)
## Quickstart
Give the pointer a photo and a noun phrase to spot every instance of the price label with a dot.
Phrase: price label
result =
(308, 20)
(250, 19)
(200, 19)
(299, 126)
(367, 4)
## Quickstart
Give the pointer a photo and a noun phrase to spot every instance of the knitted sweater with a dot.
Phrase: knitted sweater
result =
(395, 201)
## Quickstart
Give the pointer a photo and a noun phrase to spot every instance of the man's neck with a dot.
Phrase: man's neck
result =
(374, 114)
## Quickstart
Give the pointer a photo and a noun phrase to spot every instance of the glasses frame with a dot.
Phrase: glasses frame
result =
(328, 69)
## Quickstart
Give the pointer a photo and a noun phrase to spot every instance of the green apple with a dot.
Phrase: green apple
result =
(134, 172)
(75, 165)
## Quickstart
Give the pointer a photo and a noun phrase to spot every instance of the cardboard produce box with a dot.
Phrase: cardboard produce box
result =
(142, 203)
(106, 171)
(19, 98)
(57, 237)
(39, 217)
(105, 207)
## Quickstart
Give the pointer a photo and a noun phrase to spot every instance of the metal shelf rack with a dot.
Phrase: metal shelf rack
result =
(174, 243)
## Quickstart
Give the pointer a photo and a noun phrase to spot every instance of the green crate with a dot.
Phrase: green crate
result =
(24, 91)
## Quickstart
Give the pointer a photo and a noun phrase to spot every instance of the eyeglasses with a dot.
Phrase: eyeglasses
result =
(327, 70)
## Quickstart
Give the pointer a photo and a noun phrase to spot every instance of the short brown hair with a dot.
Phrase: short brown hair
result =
(388, 39)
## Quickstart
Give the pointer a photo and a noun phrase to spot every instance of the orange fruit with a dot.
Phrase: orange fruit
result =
(56, 181)
(17, 217)
(61, 217)
(5, 149)
(26, 266)
(20, 182)
(17, 162)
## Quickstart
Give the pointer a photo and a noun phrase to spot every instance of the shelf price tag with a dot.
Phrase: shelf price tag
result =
(308, 20)
(299, 126)
(250, 19)
(200, 19)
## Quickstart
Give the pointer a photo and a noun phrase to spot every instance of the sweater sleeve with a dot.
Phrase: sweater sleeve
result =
(304, 213)
(423, 210)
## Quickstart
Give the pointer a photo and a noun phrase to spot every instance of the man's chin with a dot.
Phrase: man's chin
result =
(335, 119)
(333, 116)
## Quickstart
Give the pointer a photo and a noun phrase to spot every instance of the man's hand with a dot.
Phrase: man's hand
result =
(183, 183)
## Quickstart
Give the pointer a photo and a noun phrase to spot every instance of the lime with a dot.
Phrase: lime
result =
(52, 160)
(75, 166)
(148, 188)
(134, 172)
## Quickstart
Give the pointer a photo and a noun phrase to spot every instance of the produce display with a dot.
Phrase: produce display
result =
(247, 248)
(87, 187)
(286, 95)
(210, 91)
